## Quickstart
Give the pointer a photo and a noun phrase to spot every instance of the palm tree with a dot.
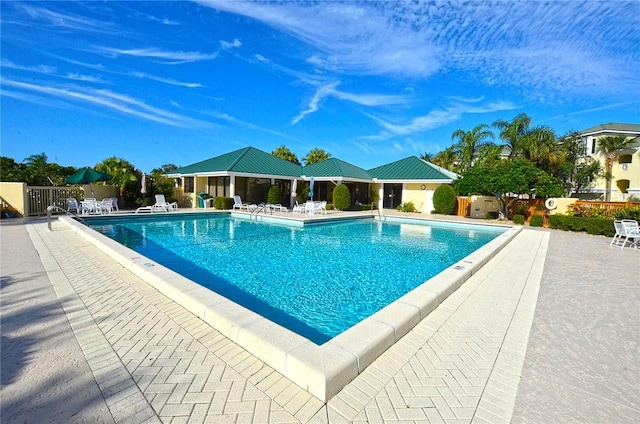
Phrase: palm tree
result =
(609, 146)
(512, 133)
(428, 157)
(316, 155)
(447, 159)
(470, 143)
(283, 152)
(540, 145)
(123, 173)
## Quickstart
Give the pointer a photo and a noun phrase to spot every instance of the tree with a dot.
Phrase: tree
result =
(38, 171)
(125, 176)
(609, 146)
(577, 171)
(540, 145)
(341, 197)
(470, 143)
(447, 159)
(503, 178)
(315, 155)
(283, 152)
(10, 170)
(512, 133)
(428, 157)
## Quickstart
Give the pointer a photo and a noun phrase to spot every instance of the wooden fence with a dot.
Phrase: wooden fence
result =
(39, 198)
(609, 208)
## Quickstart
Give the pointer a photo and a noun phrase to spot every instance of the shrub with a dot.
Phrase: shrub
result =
(596, 226)
(222, 203)
(407, 207)
(536, 221)
(341, 197)
(444, 200)
(518, 219)
(274, 195)
(628, 213)
(492, 215)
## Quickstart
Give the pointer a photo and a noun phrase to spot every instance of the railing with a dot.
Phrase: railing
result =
(609, 208)
(39, 198)
(260, 208)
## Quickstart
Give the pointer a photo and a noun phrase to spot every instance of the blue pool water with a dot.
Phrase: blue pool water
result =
(317, 280)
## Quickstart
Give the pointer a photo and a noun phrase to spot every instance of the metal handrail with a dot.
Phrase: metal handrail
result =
(260, 207)
(51, 208)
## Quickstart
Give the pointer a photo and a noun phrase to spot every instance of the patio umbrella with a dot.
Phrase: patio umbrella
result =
(294, 187)
(143, 184)
(311, 188)
(87, 176)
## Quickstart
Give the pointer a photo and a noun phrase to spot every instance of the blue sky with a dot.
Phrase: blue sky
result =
(179, 82)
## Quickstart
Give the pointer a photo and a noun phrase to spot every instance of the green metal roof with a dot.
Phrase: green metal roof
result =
(333, 167)
(411, 168)
(248, 160)
(613, 126)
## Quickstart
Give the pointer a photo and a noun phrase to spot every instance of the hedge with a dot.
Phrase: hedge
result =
(596, 226)
(222, 203)
(536, 221)
(444, 200)
(341, 197)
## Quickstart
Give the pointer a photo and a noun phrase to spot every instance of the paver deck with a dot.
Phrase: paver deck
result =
(153, 361)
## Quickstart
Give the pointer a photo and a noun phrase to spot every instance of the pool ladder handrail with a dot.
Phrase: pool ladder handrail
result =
(262, 207)
(53, 207)
(380, 216)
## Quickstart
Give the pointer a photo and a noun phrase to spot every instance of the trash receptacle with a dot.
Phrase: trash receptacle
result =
(202, 199)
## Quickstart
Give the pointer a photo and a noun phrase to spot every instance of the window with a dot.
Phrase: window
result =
(188, 184)
(593, 145)
(625, 159)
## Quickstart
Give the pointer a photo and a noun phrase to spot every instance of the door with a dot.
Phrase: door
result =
(392, 196)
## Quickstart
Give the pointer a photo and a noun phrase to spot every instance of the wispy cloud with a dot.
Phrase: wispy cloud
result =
(329, 90)
(435, 119)
(230, 44)
(164, 21)
(166, 57)
(64, 20)
(169, 81)
(349, 37)
(231, 119)
(84, 78)
(106, 99)
(527, 46)
(40, 69)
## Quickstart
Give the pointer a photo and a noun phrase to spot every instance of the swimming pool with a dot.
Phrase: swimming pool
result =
(321, 369)
(317, 280)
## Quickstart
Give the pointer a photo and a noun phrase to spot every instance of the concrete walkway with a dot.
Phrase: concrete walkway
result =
(128, 354)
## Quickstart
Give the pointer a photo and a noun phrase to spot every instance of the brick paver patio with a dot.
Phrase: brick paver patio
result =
(153, 361)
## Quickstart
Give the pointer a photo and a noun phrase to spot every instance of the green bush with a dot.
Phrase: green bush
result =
(596, 226)
(222, 203)
(518, 219)
(628, 213)
(341, 197)
(536, 221)
(492, 215)
(444, 200)
(407, 207)
(274, 195)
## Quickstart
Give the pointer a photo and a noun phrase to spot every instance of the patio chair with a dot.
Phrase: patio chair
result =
(631, 232)
(72, 205)
(322, 209)
(298, 208)
(161, 203)
(106, 205)
(237, 202)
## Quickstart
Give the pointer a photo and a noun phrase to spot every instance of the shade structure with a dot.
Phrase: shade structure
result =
(143, 184)
(311, 188)
(87, 176)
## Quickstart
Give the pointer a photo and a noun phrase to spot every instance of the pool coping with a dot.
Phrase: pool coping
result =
(322, 370)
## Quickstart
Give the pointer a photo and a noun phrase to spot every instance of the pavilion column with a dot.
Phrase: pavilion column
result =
(232, 185)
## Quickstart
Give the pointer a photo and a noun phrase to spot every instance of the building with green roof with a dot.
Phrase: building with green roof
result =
(250, 172)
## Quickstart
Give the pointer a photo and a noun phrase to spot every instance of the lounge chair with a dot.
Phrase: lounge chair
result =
(72, 205)
(237, 202)
(298, 208)
(626, 230)
(161, 203)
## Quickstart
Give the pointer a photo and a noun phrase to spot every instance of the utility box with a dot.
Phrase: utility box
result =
(202, 199)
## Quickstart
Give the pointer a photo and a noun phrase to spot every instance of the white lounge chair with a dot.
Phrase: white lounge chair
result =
(237, 202)
(72, 205)
(161, 203)
(298, 208)
(626, 230)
